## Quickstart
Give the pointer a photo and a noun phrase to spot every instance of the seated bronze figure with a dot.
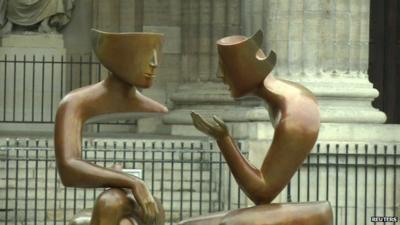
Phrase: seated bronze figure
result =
(131, 59)
(294, 113)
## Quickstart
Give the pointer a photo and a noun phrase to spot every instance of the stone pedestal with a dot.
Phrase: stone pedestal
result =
(33, 79)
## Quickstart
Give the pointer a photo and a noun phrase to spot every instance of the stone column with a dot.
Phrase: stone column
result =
(324, 45)
(202, 24)
(118, 16)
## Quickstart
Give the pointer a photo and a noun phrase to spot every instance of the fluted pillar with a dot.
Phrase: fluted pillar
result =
(202, 24)
(118, 15)
(324, 45)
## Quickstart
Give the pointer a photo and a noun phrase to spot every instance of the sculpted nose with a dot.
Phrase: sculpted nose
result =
(154, 60)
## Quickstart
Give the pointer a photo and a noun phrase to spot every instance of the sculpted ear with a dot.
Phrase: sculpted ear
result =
(258, 38)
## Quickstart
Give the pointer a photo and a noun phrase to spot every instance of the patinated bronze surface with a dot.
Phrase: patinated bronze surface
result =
(313, 213)
(131, 59)
(294, 113)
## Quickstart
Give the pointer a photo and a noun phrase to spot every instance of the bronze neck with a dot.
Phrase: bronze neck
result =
(116, 85)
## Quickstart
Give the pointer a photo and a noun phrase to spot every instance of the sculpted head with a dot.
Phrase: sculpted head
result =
(132, 57)
(243, 65)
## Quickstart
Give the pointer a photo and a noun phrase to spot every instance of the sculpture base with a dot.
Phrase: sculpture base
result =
(53, 43)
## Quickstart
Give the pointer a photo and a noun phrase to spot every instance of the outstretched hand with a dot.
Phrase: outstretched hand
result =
(216, 129)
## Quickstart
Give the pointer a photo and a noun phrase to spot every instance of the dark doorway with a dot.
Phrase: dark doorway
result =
(384, 56)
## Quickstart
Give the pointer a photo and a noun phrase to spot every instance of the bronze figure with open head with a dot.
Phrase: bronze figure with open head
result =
(131, 59)
(294, 113)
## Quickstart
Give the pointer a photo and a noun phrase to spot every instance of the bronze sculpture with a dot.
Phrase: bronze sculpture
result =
(294, 113)
(131, 59)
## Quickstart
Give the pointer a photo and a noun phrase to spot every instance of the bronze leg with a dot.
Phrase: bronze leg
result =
(112, 207)
(212, 219)
(117, 207)
(310, 213)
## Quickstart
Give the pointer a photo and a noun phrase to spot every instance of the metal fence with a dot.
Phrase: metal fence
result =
(359, 180)
(31, 87)
(191, 178)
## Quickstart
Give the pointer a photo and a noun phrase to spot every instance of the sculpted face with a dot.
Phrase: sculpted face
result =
(132, 57)
(243, 65)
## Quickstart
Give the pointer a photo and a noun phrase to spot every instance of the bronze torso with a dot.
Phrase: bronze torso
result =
(116, 94)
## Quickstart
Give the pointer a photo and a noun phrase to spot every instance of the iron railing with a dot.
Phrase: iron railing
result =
(31, 87)
(191, 178)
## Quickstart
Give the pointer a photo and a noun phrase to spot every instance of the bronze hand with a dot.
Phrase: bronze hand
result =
(248, 177)
(143, 196)
(216, 129)
(146, 201)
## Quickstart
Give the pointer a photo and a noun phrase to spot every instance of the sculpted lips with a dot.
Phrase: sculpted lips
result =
(149, 75)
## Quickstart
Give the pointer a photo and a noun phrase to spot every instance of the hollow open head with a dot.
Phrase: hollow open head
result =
(243, 65)
(132, 57)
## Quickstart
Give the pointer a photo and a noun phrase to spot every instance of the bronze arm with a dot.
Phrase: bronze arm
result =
(248, 177)
(297, 126)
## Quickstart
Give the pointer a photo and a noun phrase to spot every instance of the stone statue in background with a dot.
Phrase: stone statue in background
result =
(131, 59)
(44, 16)
(294, 113)
(3, 10)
